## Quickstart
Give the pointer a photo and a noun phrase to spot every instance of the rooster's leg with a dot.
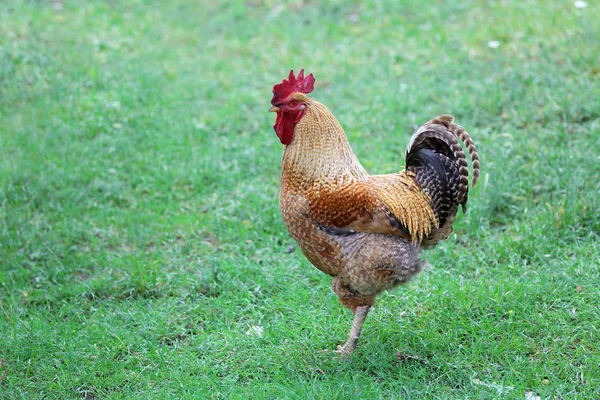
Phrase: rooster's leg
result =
(360, 313)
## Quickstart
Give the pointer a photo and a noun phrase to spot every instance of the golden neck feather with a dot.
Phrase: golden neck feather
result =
(319, 151)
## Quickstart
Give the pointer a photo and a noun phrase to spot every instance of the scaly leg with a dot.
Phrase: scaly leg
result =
(360, 313)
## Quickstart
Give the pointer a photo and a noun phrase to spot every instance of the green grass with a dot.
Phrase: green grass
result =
(140, 236)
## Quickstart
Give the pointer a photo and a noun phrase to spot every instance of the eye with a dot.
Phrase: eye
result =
(294, 103)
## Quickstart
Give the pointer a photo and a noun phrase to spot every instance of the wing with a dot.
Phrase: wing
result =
(407, 201)
(386, 204)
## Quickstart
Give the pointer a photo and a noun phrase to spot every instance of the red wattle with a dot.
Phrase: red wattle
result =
(285, 124)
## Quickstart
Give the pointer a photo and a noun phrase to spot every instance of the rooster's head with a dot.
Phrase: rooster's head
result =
(289, 102)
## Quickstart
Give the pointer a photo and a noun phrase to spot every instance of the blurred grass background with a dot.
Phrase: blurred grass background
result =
(142, 254)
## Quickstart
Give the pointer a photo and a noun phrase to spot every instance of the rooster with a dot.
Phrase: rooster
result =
(363, 230)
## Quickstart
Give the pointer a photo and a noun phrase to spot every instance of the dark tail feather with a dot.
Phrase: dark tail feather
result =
(436, 157)
(431, 174)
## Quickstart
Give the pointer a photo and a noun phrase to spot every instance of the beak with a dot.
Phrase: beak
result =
(274, 109)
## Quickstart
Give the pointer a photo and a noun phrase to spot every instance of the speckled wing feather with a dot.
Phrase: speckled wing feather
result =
(385, 204)
(353, 206)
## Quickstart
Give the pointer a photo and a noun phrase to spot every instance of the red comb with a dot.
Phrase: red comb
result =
(292, 84)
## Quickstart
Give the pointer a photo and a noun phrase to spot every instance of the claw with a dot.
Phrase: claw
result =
(344, 351)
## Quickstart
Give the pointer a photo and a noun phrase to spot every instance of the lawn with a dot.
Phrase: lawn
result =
(142, 253)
